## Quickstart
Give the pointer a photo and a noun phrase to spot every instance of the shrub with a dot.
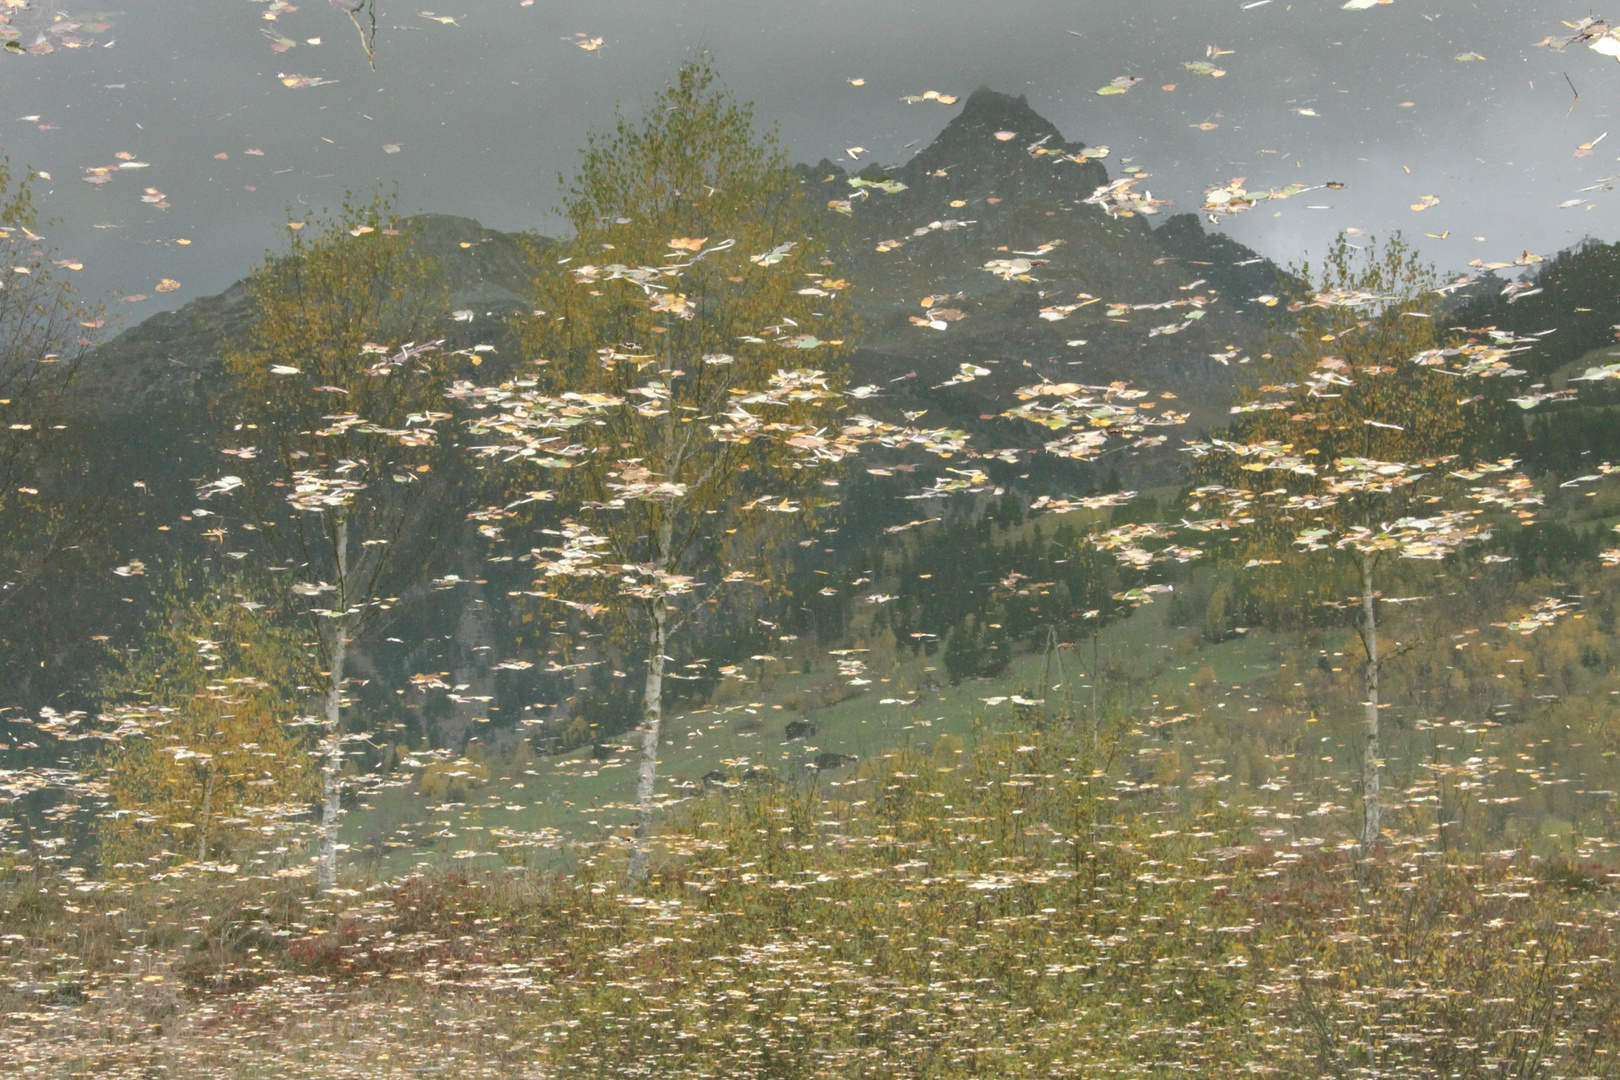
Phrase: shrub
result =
(451, 781)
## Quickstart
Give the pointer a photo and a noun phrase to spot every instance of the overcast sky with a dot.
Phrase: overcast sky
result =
(486, 111)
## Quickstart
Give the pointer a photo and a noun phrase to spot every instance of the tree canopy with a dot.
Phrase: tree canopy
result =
(48, 506)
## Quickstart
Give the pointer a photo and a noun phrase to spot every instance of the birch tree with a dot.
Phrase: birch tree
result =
(1362, 443)
(332, 412)
(663, 390)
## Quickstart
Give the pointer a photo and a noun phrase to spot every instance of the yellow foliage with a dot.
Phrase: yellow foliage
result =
(450, 781)
(206, 761)
(748, 307)
(1378, 406)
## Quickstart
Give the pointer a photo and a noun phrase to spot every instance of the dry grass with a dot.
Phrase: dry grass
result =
(1006, 913)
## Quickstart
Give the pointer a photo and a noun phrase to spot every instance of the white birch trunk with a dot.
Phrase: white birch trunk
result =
(651, 722)
(1371, 774)
(332, 744)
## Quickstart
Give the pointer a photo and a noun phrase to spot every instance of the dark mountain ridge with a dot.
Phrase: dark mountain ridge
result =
(968, 197)
(1001, 182)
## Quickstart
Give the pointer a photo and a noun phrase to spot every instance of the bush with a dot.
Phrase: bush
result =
(452, 781)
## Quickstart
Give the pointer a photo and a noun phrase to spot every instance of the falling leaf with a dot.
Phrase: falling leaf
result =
(167, 285)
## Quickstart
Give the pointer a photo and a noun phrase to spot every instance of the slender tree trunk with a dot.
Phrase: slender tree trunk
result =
(651, 723)
(1371, 776)
(652, 720)
(1096, 677)
(332, 745)
(332, 765)
(207, 812)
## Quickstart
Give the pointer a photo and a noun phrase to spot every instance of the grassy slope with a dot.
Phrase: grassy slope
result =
(1493, 737)
(1145, 661)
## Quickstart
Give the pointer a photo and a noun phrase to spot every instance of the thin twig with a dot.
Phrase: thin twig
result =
(1572, 90)
(367, 39)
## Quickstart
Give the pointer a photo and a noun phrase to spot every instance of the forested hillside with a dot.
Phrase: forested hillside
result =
(145, 397)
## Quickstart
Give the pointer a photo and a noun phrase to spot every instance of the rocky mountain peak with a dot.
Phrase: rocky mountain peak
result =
(987, 112)
(986, 148)
(990, 225)
(963, 202)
